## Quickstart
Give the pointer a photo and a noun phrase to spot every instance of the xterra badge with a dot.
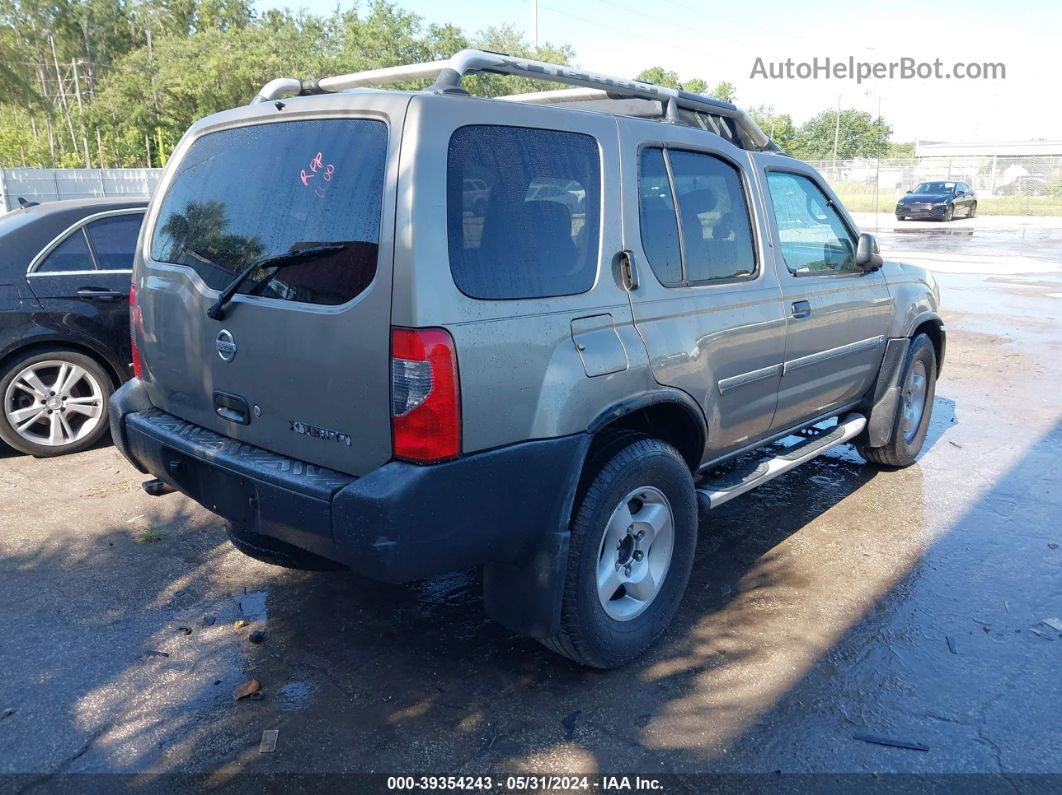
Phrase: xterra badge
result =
(320, 433)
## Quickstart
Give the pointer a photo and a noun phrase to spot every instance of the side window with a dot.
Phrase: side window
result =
(523, 211)
(716, 231)
(656, 213)
(70, 255)
(812, 237)
(114, 240)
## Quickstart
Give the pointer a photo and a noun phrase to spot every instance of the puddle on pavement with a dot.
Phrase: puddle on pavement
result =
(296, 695)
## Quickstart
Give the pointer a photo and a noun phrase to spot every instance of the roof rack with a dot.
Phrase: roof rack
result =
(448, 74)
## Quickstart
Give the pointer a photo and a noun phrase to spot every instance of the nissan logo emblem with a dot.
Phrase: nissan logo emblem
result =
(226, 345)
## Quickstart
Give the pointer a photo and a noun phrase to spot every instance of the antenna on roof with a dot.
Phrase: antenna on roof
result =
(25, 204)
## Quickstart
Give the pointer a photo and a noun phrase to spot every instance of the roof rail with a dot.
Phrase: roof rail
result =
(448, 74)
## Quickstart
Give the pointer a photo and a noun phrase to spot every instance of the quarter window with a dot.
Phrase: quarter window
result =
(811, 234)
(656, 212)
(523, 210)
(716, 232)
(114, 240)
(70, 255)
(704, 198)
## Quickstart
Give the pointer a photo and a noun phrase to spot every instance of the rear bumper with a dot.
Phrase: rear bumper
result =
(398, 523)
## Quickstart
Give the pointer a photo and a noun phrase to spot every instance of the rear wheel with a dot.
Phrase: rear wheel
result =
(973, 211)
(270, 550)
(54, 402)
(917, 389)
(632, 546)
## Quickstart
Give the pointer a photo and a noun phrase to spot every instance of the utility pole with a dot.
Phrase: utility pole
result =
(62, 93)
(836, 135)
(80, 110)
(534, 23)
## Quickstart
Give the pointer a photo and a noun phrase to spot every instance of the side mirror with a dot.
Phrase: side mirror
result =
(867, 257)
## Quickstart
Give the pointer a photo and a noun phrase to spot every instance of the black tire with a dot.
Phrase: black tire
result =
(270, 550)
(588, 634)
(949, 213)
(973, 211)
(22, 399)
(902, 451)
(900, 217)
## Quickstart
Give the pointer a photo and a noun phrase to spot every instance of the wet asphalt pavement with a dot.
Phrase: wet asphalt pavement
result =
(836, 600)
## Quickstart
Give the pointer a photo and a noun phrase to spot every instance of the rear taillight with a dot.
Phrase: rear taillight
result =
(425, 396)
(135, 322)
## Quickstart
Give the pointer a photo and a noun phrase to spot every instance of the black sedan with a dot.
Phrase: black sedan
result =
(940, 201)
(64, 319)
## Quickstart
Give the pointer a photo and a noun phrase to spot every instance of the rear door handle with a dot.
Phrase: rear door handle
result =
(801, 309)
(99, 294)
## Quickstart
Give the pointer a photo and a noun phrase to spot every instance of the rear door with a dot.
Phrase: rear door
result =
(82, 278)
(299, 362)
(837, 316)
(707, 304)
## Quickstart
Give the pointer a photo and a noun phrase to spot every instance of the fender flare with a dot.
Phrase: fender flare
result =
(656, 397)
(919, 319)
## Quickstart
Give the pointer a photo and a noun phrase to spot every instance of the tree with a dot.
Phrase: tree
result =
(659, 76)
(898, 150)
(509, 40)
(779, 126)
(860, 135)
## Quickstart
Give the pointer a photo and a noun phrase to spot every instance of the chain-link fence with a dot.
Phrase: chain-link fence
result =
(1006, 185)
(50, 184)
(1015, 185)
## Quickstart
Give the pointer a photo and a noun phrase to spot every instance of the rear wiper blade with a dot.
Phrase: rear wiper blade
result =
(217, 310)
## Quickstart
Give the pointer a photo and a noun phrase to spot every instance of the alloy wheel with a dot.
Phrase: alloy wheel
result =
(54, 403)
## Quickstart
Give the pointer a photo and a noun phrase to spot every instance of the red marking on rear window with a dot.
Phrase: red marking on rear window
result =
(317, 167)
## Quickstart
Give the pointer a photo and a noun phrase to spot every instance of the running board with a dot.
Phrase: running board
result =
(723, 489)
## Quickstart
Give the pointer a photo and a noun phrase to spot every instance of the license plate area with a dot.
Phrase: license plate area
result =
(230, 496)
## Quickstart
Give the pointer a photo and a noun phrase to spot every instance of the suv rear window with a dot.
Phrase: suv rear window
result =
(253, 193)
(523, 209)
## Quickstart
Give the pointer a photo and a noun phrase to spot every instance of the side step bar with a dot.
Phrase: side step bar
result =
(713, 493)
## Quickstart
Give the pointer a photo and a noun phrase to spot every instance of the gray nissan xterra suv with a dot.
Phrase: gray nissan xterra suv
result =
(413, 332)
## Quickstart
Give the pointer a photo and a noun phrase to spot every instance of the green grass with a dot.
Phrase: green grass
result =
(150, 535)
(1002, 205)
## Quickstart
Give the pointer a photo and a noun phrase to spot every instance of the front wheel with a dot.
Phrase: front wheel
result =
(632, 545)
(54, 402)
(949, 213)
(917, 389)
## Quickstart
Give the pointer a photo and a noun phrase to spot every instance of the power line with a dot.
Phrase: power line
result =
(622, 32)
(696, 10)
(702, 31)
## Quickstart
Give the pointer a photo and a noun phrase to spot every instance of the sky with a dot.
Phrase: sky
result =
(622, 37)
